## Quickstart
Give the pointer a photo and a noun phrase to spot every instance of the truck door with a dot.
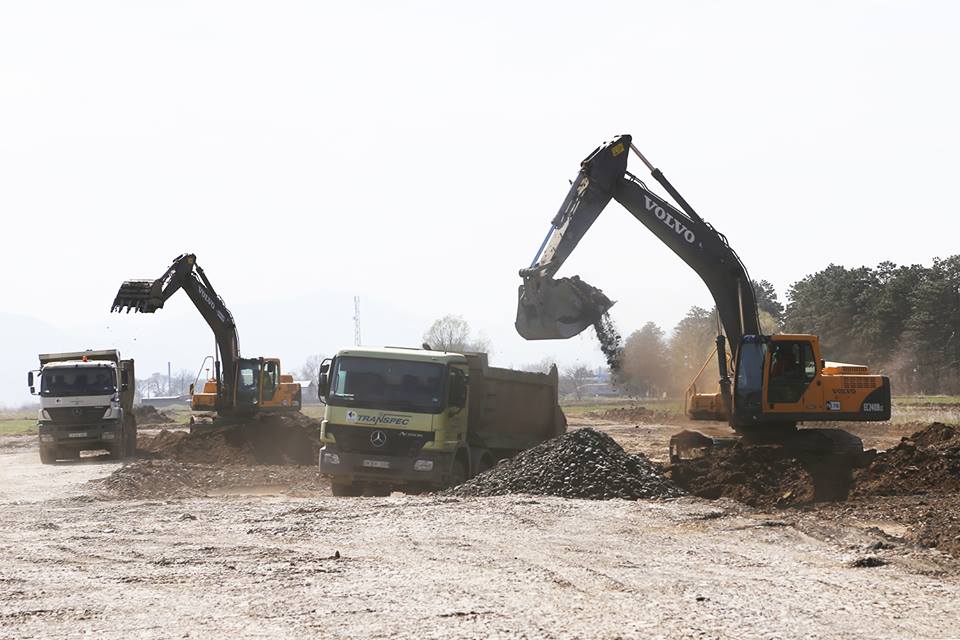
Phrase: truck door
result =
(791, 372)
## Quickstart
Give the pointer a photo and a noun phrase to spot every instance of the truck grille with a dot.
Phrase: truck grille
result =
(378, 441)
(76, 415)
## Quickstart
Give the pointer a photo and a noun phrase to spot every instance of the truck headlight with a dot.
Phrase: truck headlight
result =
(331, 458)
(108, 413)
(108, 435)
(423, 465)
(46, 437)
(45, 415)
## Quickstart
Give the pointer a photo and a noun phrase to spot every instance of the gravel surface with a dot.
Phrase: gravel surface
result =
(171, 479)
(580, 464)
(279, 566)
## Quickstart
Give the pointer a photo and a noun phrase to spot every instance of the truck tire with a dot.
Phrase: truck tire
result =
(458, 472)
(346, 489)
(132, 439)
(48, 455)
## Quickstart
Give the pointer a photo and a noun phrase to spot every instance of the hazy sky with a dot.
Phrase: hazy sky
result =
(413, 154)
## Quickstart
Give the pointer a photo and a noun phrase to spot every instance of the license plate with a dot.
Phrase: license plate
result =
(78, 434)
(376, 464)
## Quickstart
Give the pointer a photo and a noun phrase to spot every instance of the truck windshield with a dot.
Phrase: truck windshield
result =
(388, 384)
(78, 381)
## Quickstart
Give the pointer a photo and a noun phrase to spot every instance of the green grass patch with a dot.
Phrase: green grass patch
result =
(17, 426)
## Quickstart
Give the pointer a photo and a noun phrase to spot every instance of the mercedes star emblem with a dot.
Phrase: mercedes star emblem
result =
(378, 438)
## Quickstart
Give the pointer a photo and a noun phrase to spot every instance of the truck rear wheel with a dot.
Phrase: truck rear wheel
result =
(48, 455)
(346, 489)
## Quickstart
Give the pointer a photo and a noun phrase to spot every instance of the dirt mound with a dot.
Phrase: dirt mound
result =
(761, 476)
(633, 415)
(146, 479)
(580, 464)
(270, 440)
(928, 462)
(148, 414)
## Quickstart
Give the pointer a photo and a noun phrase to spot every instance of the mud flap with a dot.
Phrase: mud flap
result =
(549, 309)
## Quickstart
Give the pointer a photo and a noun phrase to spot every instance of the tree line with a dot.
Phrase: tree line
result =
(899, 320)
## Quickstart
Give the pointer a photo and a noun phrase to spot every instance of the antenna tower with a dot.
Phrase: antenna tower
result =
(356, 321)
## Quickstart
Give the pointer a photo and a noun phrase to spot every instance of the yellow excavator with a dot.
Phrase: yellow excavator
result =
(239, 386)
(768, 383)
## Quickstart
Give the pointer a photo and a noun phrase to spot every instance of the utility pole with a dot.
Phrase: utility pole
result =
(169, 380)
(356, 321)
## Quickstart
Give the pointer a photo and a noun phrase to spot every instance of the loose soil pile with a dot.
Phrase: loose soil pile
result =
(165, 479)
(761, 476)
(269, 439)
(148, 414)
(928, 462)
(581, 464)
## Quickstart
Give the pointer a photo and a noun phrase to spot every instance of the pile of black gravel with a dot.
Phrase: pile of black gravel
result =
(579, 464)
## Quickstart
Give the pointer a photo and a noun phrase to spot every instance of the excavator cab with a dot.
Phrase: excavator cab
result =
(782, 379)
(248, 387)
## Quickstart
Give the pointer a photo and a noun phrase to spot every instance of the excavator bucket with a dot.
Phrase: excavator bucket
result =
(139, 295)
(550, 309)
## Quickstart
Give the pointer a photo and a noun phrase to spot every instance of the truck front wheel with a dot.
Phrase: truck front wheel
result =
(48, 455)
(458, 473)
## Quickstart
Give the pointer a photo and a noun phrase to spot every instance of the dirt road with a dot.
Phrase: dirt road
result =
(267, 566)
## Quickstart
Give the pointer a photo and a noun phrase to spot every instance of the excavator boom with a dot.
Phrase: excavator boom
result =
(147, 296)
(550, 308)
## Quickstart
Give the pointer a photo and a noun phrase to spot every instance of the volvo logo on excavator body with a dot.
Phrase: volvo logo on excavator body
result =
(667, 218)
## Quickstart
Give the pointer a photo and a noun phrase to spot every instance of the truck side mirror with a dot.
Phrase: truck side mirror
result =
(33, 390)
(124, 380)
(323, 383)
(322, 386)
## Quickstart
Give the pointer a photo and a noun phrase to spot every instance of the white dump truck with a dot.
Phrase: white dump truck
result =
(86, 403)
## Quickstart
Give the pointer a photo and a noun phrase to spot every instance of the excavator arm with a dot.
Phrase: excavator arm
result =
(146, 296)
(561, 308)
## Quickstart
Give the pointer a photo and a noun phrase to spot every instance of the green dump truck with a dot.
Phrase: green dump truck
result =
(416, 420)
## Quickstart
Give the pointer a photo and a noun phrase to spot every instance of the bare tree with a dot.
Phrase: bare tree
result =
(575, 378)
(310, 369)
(452, 333)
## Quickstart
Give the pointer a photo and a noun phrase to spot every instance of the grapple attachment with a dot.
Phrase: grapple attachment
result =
(144, 296)
(551, 309)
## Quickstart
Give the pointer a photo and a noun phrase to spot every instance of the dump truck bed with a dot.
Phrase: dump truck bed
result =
(512, 410)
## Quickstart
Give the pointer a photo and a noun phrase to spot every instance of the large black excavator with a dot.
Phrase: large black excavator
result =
(772, 382)
(239, 386)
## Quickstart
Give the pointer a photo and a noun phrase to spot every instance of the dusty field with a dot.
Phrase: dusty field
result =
(257, 551)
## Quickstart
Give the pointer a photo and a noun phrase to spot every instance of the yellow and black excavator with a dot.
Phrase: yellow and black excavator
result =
(239, 386)
(768, 383)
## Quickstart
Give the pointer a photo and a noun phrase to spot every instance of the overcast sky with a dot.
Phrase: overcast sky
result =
(413, 154)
